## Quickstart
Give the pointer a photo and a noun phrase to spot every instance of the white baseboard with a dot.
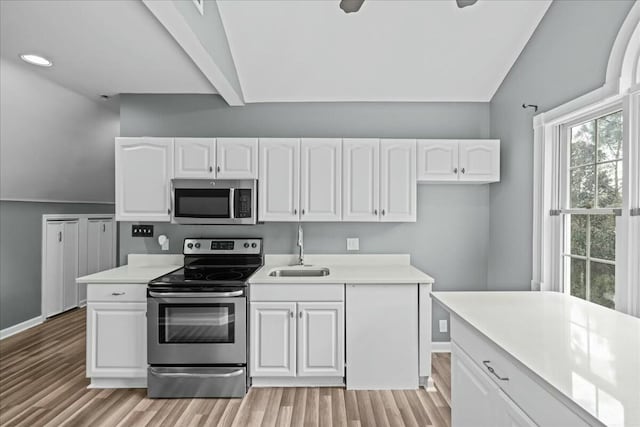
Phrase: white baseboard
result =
(23, 326)
(441, 347)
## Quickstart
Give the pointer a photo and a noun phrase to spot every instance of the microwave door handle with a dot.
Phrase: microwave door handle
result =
(232, 204)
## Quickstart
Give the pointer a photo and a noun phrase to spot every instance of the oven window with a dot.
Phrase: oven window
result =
(191, 323)
(202, 203)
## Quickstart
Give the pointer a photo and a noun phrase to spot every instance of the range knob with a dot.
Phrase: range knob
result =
(254, 245)
(189, 245)
(246, 245)
(197, 245)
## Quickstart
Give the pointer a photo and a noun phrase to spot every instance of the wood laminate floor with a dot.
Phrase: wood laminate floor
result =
(42, 382)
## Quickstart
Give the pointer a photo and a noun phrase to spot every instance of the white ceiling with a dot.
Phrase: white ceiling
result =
(99, 47)
(389, 51)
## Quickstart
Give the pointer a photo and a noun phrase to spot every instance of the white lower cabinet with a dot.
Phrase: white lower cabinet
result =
(297, 342)
(488, 389)
(116, 335)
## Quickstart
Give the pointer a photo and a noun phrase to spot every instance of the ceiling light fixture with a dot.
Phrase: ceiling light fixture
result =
(350, 6)
(465, 3)
(38, 60)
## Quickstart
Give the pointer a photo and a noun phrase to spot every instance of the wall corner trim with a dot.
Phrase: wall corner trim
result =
(22, 326)
(441, 347)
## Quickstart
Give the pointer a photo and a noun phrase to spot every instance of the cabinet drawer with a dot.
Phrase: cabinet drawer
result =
(538, 403)
(117, 292)
(295, 292)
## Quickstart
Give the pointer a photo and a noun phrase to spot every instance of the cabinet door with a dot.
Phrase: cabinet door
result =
(361, 174)
(398, 186)
(273, 339)
(473, 394)
(479, 160)
(321, 339)
(144, 168)
(321, 179)
(117, 340)
(100, 254)
(512, 415)
(70, 242)
(437, 160)
(194, 157)
(52, 277)
(279, 194)
(237, 158)
(107, 254)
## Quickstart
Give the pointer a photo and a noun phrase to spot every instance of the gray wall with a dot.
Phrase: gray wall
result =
(450, 239)
(566, 57)
(20, 255)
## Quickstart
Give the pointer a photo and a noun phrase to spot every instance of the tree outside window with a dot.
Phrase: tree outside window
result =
(595, 187)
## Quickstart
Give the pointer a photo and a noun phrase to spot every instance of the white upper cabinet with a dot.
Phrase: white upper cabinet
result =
(279, 179)
(194, 157)
(361, 173)
(450, 160)
(398, 190)
(237, 158)
(437, 160)
(479, 160)
(144, 169)
(321, 179)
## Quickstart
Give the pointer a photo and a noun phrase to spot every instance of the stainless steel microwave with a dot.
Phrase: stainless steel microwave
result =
(206, 201)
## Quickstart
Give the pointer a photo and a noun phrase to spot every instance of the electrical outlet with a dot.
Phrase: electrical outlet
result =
(142, 230)
(444, 326)
(353, 244)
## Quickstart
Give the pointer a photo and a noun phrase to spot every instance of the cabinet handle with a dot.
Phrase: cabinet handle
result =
(375, 211)
(383, 212)
(59, 236)
(117, 294)
(493, 371)
(455, 170)
(104, 228)
(210, 168)
(218, 168)
(302, 211)
(168, 211)
(295, 211)
(462, 170)
(291, 314)
(300, 315)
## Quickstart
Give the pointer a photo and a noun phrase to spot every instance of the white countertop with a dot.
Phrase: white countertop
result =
(588, 353)
(372, 269)
(140, 269)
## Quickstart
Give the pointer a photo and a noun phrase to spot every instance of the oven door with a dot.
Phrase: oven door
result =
(190, 328)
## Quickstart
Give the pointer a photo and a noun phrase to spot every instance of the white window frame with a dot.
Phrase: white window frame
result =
(622, 89)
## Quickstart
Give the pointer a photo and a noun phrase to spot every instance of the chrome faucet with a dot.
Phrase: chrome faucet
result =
(300, 245)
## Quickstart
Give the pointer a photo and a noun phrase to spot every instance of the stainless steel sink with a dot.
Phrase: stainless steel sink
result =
(300, 272)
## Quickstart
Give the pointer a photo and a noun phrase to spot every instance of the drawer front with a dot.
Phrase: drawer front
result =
(538, 403)
(294, 292)
(117, 292)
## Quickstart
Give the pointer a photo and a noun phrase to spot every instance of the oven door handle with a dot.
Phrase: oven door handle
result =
(187, 374)
(196, 294)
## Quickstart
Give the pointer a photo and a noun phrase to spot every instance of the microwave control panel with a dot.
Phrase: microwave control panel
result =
(243, 203)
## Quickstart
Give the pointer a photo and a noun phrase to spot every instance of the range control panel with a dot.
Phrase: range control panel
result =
(203, 246)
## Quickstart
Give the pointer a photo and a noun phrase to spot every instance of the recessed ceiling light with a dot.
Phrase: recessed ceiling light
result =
(36, 60)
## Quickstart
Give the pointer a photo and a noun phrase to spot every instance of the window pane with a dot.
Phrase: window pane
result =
(603, 283)
(583, 144)
(582, 187)
(603, 237)
(578, 278)
(610, 137)
(610, 185)
(578, 235)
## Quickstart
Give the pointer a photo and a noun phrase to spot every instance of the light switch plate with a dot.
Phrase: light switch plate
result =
(443, 326)
(353, 244)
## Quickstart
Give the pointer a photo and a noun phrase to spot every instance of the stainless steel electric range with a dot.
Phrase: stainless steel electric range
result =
(197, 321)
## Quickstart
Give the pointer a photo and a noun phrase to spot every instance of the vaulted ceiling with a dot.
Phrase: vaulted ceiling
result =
(278, 50)
(399, 50)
